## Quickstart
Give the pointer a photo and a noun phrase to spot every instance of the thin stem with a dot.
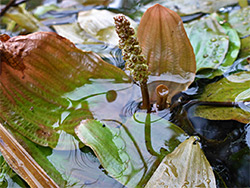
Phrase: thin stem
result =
(145, 97)
(148, 141)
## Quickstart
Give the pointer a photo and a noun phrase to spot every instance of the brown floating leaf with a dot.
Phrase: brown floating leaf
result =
(22, 163)
(167, 48)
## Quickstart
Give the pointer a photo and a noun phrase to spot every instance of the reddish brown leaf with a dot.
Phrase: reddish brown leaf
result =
(167, 48)
(33, 100)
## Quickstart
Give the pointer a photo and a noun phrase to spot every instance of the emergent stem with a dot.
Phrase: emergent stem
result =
(145, 97)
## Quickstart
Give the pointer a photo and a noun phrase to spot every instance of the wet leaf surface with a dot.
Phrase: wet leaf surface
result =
(167, 49)
(234, 88)
(240, 21)
(210, 43)
(35, 101)
(128, 151)
(186, 166)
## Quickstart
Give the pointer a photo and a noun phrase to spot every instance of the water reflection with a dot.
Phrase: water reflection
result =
(79, 166)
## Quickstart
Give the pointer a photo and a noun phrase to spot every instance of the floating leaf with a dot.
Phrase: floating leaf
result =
(100, 24)
(186, 166)
(35, 102)
(240, 21)
(210, 43)
(231, 55)
(74, 33)
(167, 49)
(186, 7)
(21, 162)
(234, 88)
(124, 151)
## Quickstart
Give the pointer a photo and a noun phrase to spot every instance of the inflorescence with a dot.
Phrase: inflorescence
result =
(135, 61)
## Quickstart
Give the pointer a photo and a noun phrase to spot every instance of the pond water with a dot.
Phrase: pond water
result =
(224, 142)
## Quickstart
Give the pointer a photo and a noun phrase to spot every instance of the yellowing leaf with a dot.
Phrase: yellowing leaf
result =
(100, 24)
(167, 48)
(186, 166)
(22, 163)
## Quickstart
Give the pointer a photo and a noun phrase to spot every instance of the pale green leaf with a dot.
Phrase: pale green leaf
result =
(240, 21)
(210, 43)
(186, 166)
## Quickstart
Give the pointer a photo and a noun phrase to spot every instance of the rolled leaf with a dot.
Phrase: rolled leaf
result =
(38, 101)
(21, 162)
(186, 166)
(167, 48)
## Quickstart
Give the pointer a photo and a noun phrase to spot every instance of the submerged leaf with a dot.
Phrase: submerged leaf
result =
(124, 151)
(21, 162)
(167, 48)
(186, 166)
(35, 102)
(234, 88)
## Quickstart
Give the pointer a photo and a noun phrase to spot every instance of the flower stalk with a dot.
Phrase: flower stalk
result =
(135, 61)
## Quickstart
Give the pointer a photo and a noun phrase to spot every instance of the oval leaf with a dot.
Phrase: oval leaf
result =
(167, 48)
(124, 151)
(186, 166)
(35, 101)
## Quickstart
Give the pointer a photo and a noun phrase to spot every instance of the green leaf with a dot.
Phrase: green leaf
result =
(186, 166)
(167, 49)
(234, 88)
(39, 100)
(128, 151)
(25, 19)
(240, 21)
(210, 43)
